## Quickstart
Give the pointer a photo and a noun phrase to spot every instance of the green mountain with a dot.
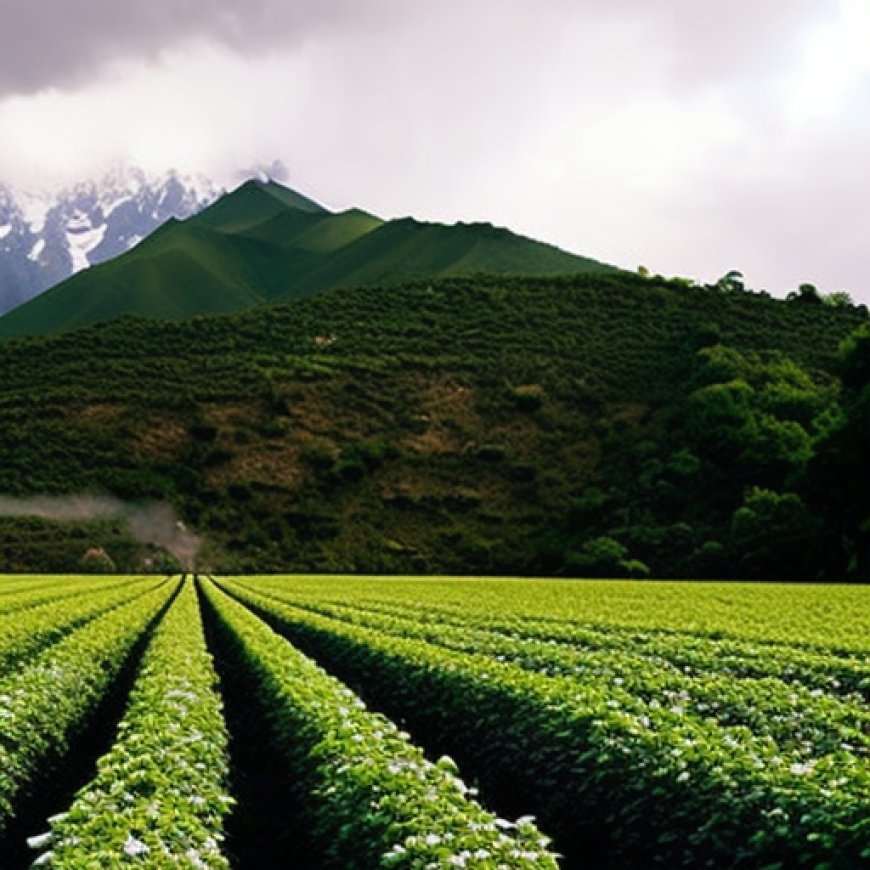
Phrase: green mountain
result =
(264, 243)
(602, 424)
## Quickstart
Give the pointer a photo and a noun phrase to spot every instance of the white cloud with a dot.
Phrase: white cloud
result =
(637, 131)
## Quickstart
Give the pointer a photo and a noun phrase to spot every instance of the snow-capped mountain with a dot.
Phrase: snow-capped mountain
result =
(46, 237)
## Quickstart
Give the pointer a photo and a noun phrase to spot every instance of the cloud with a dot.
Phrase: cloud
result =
(63, 44)
(787, 210)
(739, 40)
(635, 131)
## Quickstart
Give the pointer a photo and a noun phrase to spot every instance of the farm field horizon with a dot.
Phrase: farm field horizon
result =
(364, 721)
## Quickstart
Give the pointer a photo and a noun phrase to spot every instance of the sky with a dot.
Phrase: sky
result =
(692, 138)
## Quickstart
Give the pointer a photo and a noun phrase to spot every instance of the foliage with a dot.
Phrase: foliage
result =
(836, 476)
(643, 723)
(48, 700)
(625, 756)
(456, 429)
(373, 797)
(160, 792)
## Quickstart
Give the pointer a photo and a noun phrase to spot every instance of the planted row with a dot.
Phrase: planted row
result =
(837, 673)
(830, 618)
(160, 793)
(804, 723)
(629, 787)
(56, 591)
(45, 704)
(26, 632)
(371, 797)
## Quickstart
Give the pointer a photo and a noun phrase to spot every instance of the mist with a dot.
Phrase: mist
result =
(149, 522)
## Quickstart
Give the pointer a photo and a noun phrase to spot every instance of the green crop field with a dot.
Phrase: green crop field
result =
(336, 722)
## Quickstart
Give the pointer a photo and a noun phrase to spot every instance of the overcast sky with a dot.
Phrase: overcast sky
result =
(691, 137)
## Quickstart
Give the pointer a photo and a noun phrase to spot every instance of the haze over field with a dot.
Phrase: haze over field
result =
(149, 522)
(693, 138)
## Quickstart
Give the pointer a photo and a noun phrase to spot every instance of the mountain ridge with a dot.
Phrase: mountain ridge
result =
(47, 237)
(265, 243)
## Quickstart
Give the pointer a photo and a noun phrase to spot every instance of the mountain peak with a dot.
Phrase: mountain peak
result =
(47, 236)
(286, 196)
(263, 243)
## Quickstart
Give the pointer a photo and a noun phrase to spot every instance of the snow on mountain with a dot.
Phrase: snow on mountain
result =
(45, 237)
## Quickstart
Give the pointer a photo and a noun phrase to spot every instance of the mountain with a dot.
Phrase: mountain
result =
(264, 243)
(594, 425)
(47, 237)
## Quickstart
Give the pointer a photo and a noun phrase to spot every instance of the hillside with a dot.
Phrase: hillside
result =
(602, 424)
(264, 243)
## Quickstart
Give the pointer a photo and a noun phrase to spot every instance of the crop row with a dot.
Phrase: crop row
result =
(22, 599)
(160, 793)
(628, 756)
(838, 673)
(803, 723)
(45, 704)
(371, 796)
(834, 619)
(641, 783)
(26, 632)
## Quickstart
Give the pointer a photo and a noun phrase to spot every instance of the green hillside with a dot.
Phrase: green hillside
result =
(593, 425)
(264, 242)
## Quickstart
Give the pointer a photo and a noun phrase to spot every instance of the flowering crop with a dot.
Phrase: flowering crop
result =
(160, 794)
(662, 765)
(374, 799)
(731, 729)
(45, 703)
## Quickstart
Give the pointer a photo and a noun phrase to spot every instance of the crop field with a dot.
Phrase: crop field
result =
(335, 722)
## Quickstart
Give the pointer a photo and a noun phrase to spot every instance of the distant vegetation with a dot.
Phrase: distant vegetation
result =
(608, 424)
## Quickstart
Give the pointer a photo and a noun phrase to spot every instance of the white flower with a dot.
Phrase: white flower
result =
(40, 841)
(432, 839)
(134, 847)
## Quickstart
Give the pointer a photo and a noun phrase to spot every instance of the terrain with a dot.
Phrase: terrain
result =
(47, 237)
(264, 243)
(339, 722)
(605, 424)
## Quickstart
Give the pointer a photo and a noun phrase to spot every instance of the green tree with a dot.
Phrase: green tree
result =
(806, 294)
(774, 535)
(837, 476)
(731, 282)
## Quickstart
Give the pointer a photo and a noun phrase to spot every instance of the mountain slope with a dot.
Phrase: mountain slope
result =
(264, 243)
(46, 238)
(598, 424)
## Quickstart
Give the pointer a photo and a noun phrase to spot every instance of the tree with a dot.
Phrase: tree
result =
(805, 294)
(731, 282)
(773, 535)
(97, 561)
(839, 299)
(605, 557)
(837, 476)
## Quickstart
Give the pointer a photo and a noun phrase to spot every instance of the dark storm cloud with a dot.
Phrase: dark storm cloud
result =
(61, 43)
